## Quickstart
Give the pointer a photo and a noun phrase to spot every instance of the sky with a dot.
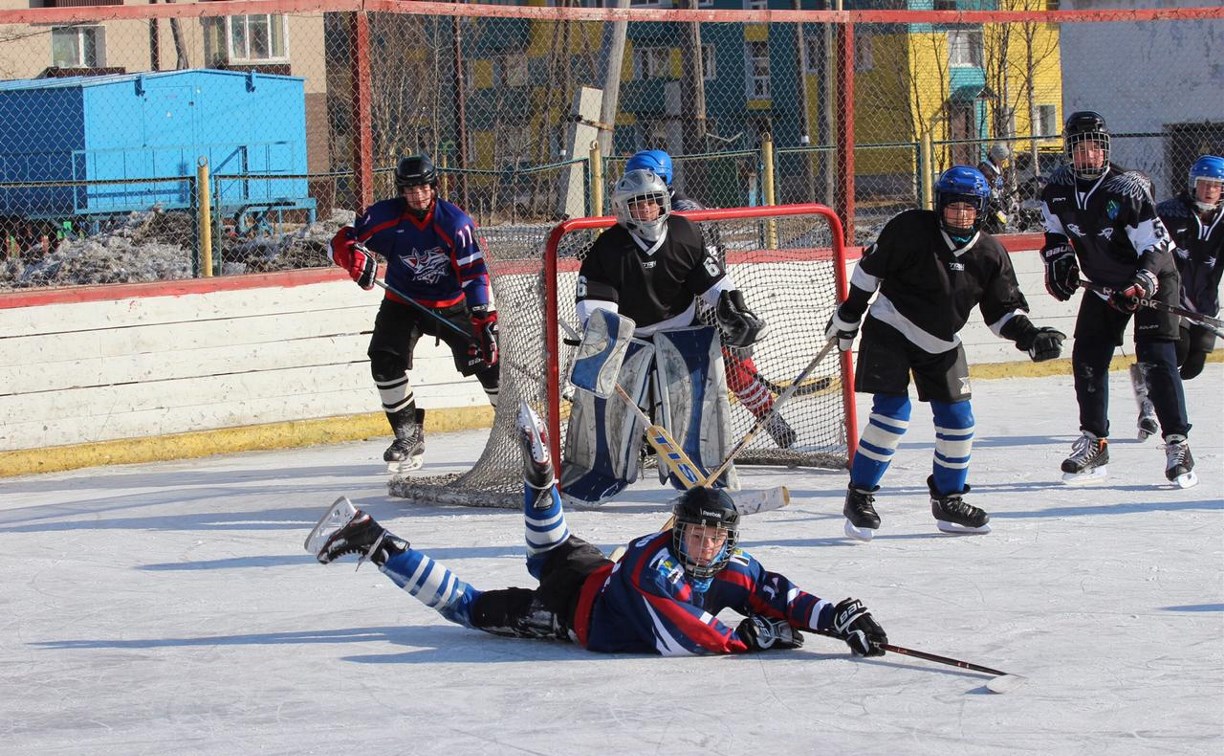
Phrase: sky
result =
(170, 607)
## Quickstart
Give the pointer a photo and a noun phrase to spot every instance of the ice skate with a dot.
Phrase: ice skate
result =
(1147, 424)
(345, 529)
(1179, 463)
(407, 452)
(953, 515)
(533, 439)
(780, 431)
(1088, 461)
(861, 518)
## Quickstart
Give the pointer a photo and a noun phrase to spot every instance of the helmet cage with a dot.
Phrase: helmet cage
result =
(636, 187)
(1086, 127)
(961, 183)
(706, 513)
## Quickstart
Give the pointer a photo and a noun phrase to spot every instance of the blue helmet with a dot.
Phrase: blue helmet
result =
(1211, 168)
(652, 160)
(960, 183)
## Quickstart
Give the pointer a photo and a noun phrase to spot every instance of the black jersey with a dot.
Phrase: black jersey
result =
(649, 286)
(1111, 223)
(928, 285)
(1199, 246)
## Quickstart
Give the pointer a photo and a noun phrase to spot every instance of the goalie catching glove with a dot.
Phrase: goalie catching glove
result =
(765, 633)
(345, 251)
(739, 325)
(484, 325)
(855, 625)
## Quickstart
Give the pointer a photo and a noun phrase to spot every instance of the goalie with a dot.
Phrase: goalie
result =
(652, 268)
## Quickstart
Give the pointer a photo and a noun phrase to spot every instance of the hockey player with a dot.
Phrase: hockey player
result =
(434, 257)
(922, 258)
(663, 597)
(995, 221)
(740, 368)
(652, 268)
(1193, 219)
(1101, 219)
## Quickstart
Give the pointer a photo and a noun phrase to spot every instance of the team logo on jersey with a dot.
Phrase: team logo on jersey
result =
(1074, 229)
(1107, 234)
(1112, 208)
(428, 266)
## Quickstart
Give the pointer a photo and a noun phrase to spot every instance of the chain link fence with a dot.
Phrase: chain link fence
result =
(302, 108)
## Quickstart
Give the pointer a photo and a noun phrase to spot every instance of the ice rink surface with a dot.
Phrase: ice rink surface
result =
(170, 608)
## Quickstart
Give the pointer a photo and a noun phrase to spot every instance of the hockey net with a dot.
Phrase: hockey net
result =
(790, 262)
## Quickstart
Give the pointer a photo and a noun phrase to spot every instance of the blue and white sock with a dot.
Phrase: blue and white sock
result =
(954, 428)
(433, 585)
(890, 416)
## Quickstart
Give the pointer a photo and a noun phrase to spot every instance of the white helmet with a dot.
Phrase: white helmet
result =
(999, 153)
(640, 187)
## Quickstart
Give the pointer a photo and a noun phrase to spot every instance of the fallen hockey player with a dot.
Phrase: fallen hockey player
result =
(662, 597)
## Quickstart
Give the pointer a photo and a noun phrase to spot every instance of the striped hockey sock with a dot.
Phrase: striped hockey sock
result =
(433, 585)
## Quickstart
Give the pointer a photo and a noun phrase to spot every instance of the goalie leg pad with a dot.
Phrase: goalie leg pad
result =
(890, 416)
(693, 397)
(954, 427)
(604, 437)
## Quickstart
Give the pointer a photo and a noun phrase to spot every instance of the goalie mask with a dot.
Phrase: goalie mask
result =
(706, 530)
(961, 184)
(1207, 182)
(642, 204)
(1087, 143)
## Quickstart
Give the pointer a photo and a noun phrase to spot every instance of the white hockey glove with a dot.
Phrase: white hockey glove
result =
(844, 331)
(763, 633)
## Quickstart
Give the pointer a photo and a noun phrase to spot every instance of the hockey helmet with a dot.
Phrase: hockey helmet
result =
(415, 170)
(705, 514)
(960, 183)
(631, 198)
(652, 160)
(1208, 169)
(1086, 126)
(998, 153)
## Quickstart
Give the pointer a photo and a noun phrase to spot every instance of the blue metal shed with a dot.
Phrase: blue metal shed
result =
(140, 127)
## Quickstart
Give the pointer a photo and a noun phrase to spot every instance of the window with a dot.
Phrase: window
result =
(651, 62)
(708, 68)
(965, 48)
(260, 38)
(756, 4)
(78, 46)
(757, 55)
(1047, 121)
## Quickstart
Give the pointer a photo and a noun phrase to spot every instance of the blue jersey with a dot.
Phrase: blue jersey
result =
(646, 603)
(435, 260)
(1199, 246)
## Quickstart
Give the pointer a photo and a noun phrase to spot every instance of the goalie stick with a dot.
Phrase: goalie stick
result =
(1215, 325)
(1002, 682)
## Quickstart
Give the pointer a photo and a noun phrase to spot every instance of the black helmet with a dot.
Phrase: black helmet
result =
(415, 170)
(712, 508)
(1086, 126)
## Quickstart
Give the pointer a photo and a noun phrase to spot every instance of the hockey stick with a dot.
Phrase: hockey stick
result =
(814, 386)
(465, 334)
(1215, 325)
(1001, 683)
(782, 398)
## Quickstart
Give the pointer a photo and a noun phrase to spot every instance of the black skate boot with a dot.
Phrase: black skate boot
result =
(537, 459)
(1147, 423)
(1088, 461)
(780, 431)
(861, 518)
(1179, 463)
(345, 529)
(953, 515)
(407, 452)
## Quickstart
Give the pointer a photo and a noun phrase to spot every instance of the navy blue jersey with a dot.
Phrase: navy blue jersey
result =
(928, 284)
(435, 260)
(647, 604)
(1199, 245)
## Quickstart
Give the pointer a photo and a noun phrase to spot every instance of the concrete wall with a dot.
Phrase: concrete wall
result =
(124, 373)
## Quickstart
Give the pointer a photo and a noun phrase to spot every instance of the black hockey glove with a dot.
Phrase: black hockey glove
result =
(1043, 343)
(855, 625)
(1061, 271)
(740, 326)
(763, 633)
(843, 330)
(1142, 286)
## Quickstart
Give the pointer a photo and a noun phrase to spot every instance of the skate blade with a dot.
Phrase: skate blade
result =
(1079, 479)
(1187, 480)
(956, 528)
(858, 534)
(340, 513)
(406, 466)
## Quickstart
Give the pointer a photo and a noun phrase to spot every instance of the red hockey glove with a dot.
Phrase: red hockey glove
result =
(484, 324)
(345, 251)
(1142, 286)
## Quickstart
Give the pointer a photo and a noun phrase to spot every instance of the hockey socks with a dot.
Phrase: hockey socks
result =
(954, 428)
(890, 414)
(433, 585)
